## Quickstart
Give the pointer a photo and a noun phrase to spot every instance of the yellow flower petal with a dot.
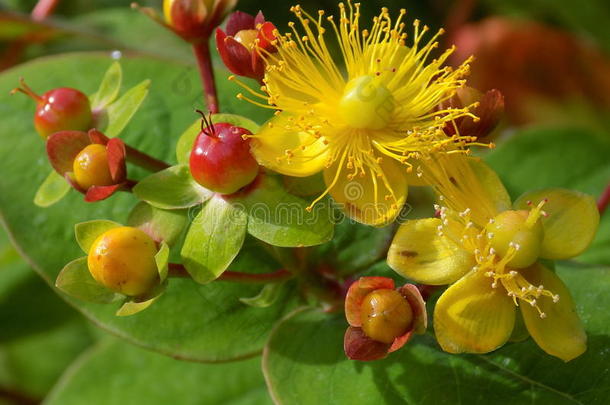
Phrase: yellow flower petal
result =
(472, 317)
(571, 223)
(288, 152)
(368, 198)
(491, 184)
(420, 254)
(560, 333)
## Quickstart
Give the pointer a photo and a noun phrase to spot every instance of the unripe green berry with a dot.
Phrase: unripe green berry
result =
(123, 260)
(517, 233)
(366, 103)
(386, 315)
(91, 167)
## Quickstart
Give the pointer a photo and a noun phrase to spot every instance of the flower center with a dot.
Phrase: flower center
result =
(366, 103)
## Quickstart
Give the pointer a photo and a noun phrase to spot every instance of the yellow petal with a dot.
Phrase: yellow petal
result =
(288, 151)
(420, 254)
(491, 184)
(369, 199)
(560, 333)
(571, 223)
(472, 317)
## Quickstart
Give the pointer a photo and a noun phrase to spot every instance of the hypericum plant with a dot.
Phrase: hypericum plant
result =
(360, 125)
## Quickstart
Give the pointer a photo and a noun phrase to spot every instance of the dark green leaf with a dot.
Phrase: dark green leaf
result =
(115, 373)
(213, 240)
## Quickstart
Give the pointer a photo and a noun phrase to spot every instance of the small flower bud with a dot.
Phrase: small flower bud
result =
(194, 20)
(489, 111)
(241, 45)
(123, 260)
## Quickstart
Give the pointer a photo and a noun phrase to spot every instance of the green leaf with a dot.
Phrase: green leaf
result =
(268, 296)
(36, 324)
(115, 373)
(161, 225)
(213, 240)
(87, 232)
(47, 236)
(76, 281)
(162, 259)
(52, 189)
(354, 247)
(172, 188)
(109, 88)
(304, 363)
(569, 158)
(187, 139)
(281, 219)
(121, 111)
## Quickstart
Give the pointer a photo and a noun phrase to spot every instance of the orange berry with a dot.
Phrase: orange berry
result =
(91, 167)
(386, 315)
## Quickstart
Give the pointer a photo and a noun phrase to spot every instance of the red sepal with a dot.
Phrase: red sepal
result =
(358, 346)
(63, 147)
(98, 193)
(97, 137)
(239, 21)
(115, 150)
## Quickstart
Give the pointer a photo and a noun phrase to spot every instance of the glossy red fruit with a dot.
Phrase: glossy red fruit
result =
(221, 160)
(60, 109)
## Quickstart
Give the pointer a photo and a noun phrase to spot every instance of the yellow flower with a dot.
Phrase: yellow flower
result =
(363, 126)
(489, 249)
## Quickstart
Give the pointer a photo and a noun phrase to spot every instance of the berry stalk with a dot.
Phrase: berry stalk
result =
(143, 160)
(178, 270)
(204, 62)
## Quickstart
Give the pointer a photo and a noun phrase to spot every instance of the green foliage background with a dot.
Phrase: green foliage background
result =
(68, 352)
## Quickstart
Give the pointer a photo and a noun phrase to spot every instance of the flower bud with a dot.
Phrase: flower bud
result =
(123, 260)
(240, 45)
(194, 20)
(382, 319)
(489, 110)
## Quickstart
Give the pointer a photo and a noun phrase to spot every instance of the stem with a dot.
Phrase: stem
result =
(178, 270)
(604, 200)
(202, 53)
(43, 9)
(143, 160)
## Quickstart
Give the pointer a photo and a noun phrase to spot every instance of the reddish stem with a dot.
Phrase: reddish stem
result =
(43, 9)
(204, 61)
(178, 270)
(143, 160)
(604, 200)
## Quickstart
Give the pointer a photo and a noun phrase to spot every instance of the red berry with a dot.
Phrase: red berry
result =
(59, 109)
(221, 160)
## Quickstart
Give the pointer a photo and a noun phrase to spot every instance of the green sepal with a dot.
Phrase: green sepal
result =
(121, 111)
(52, 189)
(281, 219)
(172, 188)
(268, 296)
(132, 306)
(76, 281)
(214, 239)
(87, 232)
(109, 87)
(161, 225)
(162, 259)
(187, 139)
